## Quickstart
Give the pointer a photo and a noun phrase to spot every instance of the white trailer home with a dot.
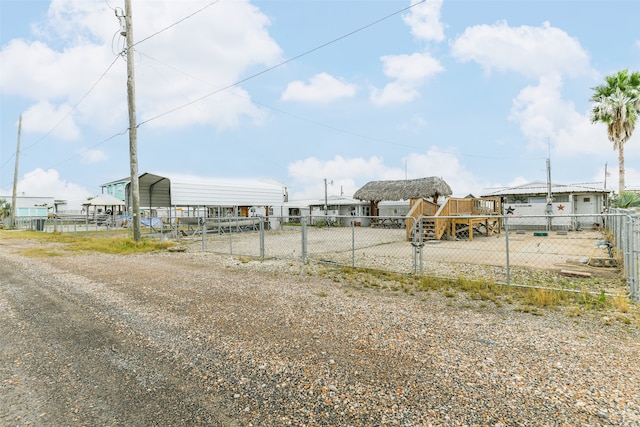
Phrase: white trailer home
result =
(571, 207)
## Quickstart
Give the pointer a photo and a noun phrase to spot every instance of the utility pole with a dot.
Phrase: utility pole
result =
(549, 209)
(133, 128)
(15, 178)
(325, 195)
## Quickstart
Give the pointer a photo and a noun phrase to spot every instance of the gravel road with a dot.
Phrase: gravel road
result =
(199, 339)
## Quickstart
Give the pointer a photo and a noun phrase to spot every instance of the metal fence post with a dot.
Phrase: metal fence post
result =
(634, 249)
(303, 221)
(203, 222)
(262, 238)
(353, 244)
(506, 240)
(417, 243)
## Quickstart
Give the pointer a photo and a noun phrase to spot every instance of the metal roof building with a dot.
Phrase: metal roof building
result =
(175, 190)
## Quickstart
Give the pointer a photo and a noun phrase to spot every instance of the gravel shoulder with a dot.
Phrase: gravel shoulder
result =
(202, 339)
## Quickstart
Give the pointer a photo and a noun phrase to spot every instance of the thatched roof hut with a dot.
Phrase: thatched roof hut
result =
(404, 189)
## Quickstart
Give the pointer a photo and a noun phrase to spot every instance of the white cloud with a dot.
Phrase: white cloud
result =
(544, 117)
(531, 51)
(93, 155)
(415, 123)
(308, 175)
(444, 164)
(322, 88)
(41, 183)
(77, 22)
(409, 72)
(349, 174)
(44, 117)
(424, 20)
(631, 177)
(171, 70)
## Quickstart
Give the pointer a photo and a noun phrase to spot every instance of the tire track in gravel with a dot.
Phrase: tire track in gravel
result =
(67, 359)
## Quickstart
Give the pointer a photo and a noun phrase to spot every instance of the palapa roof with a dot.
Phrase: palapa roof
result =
(403, 189)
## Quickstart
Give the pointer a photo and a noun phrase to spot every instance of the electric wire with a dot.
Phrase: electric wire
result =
(121, 133)
(174, 24)
(102, 76)
(280, 64)
(331, 127)
(86, 94)
(239, 82)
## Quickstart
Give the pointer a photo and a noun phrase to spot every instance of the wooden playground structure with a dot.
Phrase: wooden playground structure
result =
(455, 217)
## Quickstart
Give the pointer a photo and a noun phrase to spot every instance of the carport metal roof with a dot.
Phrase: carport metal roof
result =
(176, 190)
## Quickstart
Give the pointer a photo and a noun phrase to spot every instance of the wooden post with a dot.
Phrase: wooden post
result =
(133, 127)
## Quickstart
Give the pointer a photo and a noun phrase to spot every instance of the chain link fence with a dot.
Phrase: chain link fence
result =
(570, 252)
(77, 225)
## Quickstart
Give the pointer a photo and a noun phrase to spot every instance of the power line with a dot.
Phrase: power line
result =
(266, 70)
(39, 140)
(175, 23)
(96, 83)
(331, 127)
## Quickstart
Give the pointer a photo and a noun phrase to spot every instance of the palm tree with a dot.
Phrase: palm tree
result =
(617, 104)
(5, 208)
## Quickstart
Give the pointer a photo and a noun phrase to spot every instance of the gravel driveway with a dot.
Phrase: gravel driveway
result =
(200, 339)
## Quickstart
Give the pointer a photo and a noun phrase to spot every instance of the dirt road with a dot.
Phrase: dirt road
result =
(198, 339)
(68, 358)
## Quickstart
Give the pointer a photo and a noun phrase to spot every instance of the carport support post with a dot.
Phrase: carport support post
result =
(506, 240)
(303, 221)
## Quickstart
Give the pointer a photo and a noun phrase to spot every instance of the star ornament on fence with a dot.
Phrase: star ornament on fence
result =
(560, 207)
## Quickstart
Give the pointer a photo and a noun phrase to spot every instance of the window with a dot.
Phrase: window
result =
(587, 199)
(537, 200)
(561, 198)
(516, 199)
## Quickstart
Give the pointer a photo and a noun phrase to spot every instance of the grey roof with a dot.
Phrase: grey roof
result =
(185, 190)
(104, 200)
(403, 189)
(539, 187)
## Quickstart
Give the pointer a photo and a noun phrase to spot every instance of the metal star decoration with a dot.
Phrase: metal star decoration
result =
(510, 210)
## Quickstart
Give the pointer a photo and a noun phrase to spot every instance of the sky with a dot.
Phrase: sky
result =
(480, 93)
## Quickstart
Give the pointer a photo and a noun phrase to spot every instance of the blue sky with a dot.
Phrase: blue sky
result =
(477, 92)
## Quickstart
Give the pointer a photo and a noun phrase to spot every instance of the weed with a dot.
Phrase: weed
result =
(621, 303)
(539, 297)
(449, 293)
(41, 253)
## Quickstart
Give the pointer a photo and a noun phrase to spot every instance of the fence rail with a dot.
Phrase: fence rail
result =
(559, 252)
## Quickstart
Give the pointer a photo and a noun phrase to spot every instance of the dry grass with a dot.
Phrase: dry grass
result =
(533, 300)
(67, 244)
